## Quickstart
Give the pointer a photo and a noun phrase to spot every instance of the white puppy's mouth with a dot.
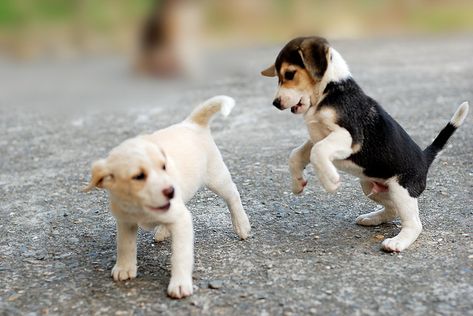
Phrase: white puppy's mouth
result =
(162, 208)
(297, 108)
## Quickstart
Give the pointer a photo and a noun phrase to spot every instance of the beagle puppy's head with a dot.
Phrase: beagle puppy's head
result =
(135, 173)
(301, 67)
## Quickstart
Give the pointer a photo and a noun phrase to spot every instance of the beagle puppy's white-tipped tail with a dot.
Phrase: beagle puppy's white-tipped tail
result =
(204, 113)
(460, 115)
(439, 142)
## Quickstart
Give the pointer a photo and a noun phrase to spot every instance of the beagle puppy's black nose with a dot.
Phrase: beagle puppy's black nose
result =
(169, 192)
(277, 103)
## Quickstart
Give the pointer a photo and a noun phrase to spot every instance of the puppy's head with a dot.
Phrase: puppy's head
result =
(135, 174)
(300, 67)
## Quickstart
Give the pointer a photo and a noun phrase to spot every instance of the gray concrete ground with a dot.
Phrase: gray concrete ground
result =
(305, 255)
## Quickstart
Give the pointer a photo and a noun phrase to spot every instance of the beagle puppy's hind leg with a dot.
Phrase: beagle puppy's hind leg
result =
(377, 217)
(408, 211)
(336, 146)
(298, 160)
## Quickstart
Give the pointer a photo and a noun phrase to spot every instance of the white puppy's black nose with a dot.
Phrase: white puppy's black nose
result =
(169, 192)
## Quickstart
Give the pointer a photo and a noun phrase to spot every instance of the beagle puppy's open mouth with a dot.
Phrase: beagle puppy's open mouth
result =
(350, 131)
(296, 109)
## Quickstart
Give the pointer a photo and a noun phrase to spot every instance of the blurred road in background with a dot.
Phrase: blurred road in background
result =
(305, 256)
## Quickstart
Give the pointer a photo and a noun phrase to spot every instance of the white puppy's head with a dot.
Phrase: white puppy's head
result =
(135, 175)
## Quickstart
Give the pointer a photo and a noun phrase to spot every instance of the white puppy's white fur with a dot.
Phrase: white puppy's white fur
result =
(137, 174)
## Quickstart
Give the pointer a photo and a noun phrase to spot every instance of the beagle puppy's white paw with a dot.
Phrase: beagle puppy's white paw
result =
(375, 218)
(124, 272)
(298, 185)
(180, 287)
(328, 175)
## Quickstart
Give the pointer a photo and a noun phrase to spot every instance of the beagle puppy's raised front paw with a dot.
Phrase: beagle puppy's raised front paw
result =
(298, 185)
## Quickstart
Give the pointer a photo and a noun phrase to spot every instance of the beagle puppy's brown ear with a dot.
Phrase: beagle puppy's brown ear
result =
(100, 174)
(270, 71)
(314, 53)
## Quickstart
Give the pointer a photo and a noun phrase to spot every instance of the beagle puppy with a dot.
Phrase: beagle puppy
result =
(150, 178)
(350, 131)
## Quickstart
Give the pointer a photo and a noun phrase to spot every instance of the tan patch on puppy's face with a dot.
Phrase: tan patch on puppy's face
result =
(296, 87)
(300, 66)
(135, 174)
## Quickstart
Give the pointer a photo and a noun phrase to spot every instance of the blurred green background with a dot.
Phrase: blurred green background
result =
(32, 27)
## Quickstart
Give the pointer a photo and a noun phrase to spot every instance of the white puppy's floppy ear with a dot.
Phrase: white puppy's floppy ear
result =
(270, 71)
(99, 174)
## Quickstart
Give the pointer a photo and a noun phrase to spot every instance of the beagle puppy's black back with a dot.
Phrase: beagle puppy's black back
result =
(386, 149)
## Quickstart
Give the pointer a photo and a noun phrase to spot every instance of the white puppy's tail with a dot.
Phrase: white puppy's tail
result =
(203, 114)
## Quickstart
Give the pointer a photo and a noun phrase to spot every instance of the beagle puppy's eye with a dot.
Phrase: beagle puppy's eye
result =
(289, 75)
(140, 176)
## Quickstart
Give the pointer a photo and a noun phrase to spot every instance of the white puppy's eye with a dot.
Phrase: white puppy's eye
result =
(164, 167)
(140, 176)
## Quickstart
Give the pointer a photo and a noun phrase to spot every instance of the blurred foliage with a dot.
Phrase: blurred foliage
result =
(114, 23)
(15, 13)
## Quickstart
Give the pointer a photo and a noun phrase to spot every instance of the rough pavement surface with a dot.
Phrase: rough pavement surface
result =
(305, 255)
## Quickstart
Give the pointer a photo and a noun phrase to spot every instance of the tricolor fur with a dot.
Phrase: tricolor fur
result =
(350, 131)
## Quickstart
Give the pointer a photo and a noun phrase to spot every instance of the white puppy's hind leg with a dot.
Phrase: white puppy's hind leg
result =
(408, 211)
(377, 217)
(182, 258)
(125, 267)
(221, 183)
(161, 233)
(298, 160)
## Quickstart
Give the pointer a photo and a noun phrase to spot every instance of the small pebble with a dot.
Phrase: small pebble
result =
(379, 237)
(215, 284)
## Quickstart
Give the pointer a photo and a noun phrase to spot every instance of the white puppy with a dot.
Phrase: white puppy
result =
(151, 177)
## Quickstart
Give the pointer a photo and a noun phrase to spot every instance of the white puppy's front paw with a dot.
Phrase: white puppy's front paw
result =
(298, 185)
(180, 287)
(125, 272)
